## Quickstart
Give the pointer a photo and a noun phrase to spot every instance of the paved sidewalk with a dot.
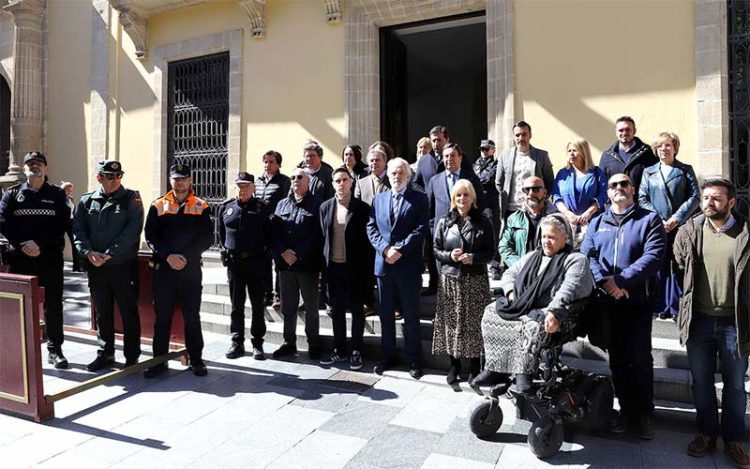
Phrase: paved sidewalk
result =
(295, 414)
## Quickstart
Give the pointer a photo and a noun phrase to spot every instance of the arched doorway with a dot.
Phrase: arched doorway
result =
(4, 125)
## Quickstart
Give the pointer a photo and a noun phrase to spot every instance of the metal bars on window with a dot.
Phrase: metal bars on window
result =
(198, 117)
(739, 99)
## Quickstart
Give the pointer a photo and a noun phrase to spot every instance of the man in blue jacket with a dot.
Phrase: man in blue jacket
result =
(397, 228)
(298, 251)
(625, 246)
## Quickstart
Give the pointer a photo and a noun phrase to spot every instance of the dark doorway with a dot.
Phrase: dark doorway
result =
(433, 73)
(4, 126)
(739, 99)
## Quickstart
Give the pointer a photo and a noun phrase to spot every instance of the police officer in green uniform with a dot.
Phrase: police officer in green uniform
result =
(178, 230)
(244, 234)
(107, 232)
(33, 217)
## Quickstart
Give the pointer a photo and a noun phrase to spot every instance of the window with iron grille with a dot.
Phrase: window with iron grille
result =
(198, 114)
(739, 99)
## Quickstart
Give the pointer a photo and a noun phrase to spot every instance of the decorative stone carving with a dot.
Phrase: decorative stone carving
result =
(256, 13)
(333, 11)
(134, 25)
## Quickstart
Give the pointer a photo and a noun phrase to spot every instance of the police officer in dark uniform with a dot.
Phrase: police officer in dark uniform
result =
(178, 230)
(107, 231)
(33, 217)
(244, 231)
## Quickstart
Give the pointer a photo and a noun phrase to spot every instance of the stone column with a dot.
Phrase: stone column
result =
(26, 111)
(362, 78)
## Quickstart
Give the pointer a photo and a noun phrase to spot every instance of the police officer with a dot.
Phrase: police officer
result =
(33, 217)
(178, 230)
(244, 233)
(107, 231)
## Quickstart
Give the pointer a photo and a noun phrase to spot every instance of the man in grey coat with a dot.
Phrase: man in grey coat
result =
(518, 163)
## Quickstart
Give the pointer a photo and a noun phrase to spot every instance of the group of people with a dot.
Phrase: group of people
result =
(621, 236)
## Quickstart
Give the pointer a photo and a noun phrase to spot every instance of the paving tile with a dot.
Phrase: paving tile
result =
(669, 450)
(398, 447)
(327, 401)
(605, 453)
(393, 392)
(458, 441)
(441, 461)
(320, 449)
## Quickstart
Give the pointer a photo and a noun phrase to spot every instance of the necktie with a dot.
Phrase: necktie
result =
(394, 211)
(451, 182)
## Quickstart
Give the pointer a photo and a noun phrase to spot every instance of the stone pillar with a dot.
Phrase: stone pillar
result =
(26, 111)
(361, 78)
(500, 72)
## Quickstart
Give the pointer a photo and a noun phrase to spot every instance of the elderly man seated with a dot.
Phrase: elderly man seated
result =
(539, 306)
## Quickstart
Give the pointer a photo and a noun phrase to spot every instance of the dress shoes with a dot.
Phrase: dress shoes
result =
(488, 378)
(236, 350)
(101, 361)
(384, 366)
(57, 359)
(415, 370)
(315, 352)
(155, 370)
(130, 362)
(199, 368)
(285, 350)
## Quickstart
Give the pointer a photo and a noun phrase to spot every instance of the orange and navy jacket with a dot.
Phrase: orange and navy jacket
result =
(179, 228)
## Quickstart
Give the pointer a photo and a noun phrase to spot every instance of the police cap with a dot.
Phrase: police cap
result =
(179, 170)
(487, 143)
(109, 167)
(244, 178)
(35, 156)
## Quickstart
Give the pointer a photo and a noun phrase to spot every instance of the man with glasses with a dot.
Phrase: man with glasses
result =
(107, 231)
(178, 230)
(520, 233)
(33, 217)
(626, 246)
(485, 167)
(518, 163)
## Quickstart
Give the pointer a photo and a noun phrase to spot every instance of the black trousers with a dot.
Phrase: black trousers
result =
(73, 251)
(110, 283)
(245, 277)
(429, 257)
(270, 278)
(184, 286)
(346, 290)
(49, 269)
(630, 359)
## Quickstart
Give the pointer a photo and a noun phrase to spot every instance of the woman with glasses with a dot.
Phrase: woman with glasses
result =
(464, 243)
(580, 189)
(670, 189)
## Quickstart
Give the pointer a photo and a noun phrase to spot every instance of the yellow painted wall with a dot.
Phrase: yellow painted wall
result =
(580, 64)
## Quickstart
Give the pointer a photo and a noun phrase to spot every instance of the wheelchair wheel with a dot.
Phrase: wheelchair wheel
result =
(599, 409)
(485, 418)
(545, 437)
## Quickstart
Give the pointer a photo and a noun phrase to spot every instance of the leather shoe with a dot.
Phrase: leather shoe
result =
(644, 429)
(286, 349)
(130, 362)
(236, 350)
(199, 368)
(258, 353)
(315, 353)
(384, 366)
(701, 446)
(101, 361)
(488, 378)
(415, 370)
(57, 359)
(431, 291)
(155, 370)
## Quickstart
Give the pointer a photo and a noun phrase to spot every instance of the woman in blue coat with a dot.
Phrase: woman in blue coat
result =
(580, 189)
(670, 189)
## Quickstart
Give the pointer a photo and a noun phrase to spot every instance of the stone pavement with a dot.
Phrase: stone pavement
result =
(296, 414)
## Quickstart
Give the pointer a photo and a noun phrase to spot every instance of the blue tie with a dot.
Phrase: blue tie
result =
(394, 211)
(452, 182)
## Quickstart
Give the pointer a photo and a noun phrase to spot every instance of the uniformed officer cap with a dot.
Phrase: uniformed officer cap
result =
(487, 143)
(179, 170)
(110, 167)
(35, 156)
(244, 178)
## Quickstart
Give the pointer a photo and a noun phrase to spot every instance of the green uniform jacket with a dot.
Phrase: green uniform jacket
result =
(111, 227)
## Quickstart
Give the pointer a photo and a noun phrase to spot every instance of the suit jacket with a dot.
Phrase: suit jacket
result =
(359, 251)
(427, 167)
(506, 164)
(440, 199)
(407, 233)
(364, 189)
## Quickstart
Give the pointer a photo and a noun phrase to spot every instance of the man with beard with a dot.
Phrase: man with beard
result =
(628, 154)
(626, 246)
(33, 217)
(712, 252)
(519, 235)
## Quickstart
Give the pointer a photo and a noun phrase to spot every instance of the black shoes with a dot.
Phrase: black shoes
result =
(236, 350)
(415, 370)
(454, 370)
(618, 424)
(130, 362)
(258, 353)
(155, 370)
(57, 359)
(488, 378)
(285, 350)
(314, 352)
(384, 366)
(430, 291)
(643, 428)
(199, 368)
(101, 361)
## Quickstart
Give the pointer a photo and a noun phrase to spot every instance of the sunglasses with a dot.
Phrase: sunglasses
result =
(533, 189)
(624, 184)
(297, 176)
(111, 177)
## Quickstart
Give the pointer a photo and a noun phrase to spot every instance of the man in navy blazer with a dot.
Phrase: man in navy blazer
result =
(440, 186)
(397, 228)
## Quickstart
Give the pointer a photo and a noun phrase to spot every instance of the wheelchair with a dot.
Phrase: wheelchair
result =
(558, 396)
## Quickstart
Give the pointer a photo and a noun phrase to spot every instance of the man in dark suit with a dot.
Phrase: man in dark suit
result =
(397, 229)
(440, 186)
(346, 249)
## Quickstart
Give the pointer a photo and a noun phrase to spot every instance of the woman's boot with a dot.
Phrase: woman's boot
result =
(454, 370)
(474, 368)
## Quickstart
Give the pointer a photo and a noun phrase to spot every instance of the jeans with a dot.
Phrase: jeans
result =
(708, 337)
